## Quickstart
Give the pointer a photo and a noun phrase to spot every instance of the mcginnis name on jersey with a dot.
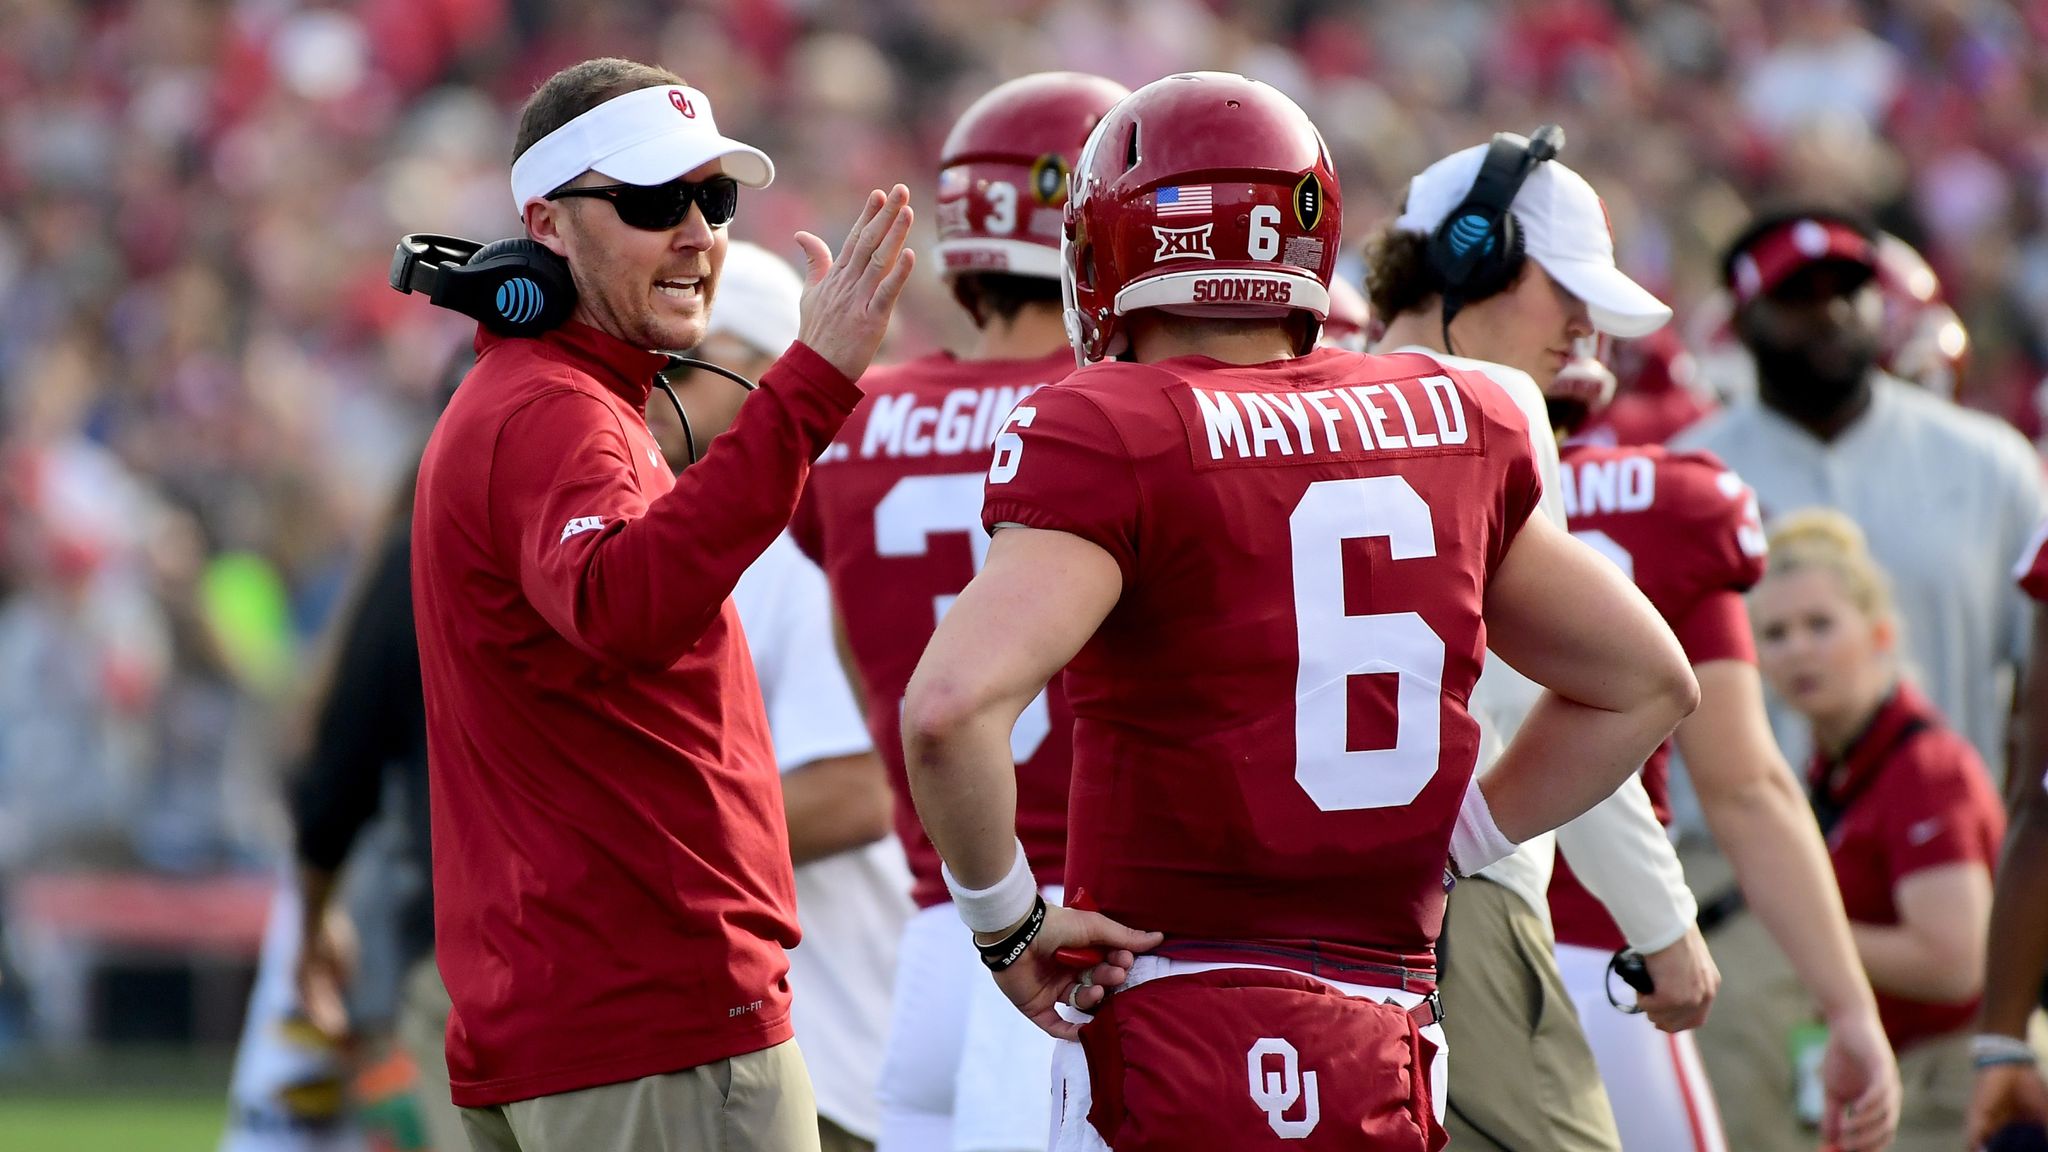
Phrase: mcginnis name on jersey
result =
(959, 422)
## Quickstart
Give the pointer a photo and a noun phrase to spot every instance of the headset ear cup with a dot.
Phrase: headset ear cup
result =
(1476, 253)
(1498, 269)
(522, 288)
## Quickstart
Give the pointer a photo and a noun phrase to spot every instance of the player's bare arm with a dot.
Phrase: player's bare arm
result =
(835, 805)
(1617, 680)
(2009, 1083)
(1762, 821)
(1035, 603)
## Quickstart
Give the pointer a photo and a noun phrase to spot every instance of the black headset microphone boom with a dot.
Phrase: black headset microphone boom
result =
(513, 287)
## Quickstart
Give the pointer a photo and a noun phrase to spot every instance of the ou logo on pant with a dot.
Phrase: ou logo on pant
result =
(1277, 1091)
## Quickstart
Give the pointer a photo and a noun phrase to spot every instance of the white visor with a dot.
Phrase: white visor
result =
(648, 136)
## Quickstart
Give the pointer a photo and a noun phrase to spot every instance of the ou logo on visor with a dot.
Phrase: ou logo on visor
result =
(682, 103)
(1277, 1091)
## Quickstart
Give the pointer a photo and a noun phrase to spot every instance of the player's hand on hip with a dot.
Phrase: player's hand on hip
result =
(848, 299)
(1686, 981)
(1040, 981)
(2006, 1094)
(1860, 1078)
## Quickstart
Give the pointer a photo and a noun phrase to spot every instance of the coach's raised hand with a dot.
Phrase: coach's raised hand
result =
(848, 300)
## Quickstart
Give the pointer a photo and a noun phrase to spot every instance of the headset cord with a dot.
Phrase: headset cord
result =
(1450, 306)
(661, 380)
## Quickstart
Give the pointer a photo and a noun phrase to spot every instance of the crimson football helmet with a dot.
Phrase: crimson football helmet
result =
(1003, 172)
(1207, 194)
(1923, 340)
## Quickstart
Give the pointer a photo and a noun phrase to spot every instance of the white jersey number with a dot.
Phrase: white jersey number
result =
(920, 507)
(1335, 646)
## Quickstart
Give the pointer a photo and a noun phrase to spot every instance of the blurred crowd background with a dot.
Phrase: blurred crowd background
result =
(207, 389)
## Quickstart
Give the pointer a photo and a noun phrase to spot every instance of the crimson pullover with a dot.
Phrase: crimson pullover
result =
(611, 868)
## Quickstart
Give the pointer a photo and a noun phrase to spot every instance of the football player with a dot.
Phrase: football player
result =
(893, 514)
(1275, 570)
(1686, 530)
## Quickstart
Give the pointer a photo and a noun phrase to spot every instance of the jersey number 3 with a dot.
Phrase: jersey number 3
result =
(918, 507)
(1335, 646)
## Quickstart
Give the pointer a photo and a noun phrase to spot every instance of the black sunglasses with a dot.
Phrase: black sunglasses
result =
(660, 207)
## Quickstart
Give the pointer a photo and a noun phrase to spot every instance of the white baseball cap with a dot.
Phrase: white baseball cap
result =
(757, 299)
(1564, 228)
(648, 136)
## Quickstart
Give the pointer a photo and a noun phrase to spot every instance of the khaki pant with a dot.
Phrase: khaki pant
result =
(1938, 1081)
(423, 1029)
(1746, 1043)
(1522, 1076)
(759, 1102)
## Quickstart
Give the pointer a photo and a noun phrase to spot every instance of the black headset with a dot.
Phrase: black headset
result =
(513, 287)
(1477, 250)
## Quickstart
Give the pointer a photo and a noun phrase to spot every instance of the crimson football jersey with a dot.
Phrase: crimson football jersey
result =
(1686, 530)
(1270, 730)
(892, 513)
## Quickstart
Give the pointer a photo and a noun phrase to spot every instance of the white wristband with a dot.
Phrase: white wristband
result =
(1476, 841)
(995, 908)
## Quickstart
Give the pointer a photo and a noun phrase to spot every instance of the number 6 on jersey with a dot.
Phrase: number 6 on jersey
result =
(1334, 646)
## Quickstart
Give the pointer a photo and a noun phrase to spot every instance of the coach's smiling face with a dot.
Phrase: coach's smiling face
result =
(652, 289)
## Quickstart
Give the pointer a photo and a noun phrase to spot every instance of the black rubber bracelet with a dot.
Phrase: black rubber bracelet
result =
(1010, 949)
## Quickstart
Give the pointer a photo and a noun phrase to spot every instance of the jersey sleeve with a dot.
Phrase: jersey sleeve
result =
(807, 524)
(1059, 464)
(1521, 492)
(1722, 534)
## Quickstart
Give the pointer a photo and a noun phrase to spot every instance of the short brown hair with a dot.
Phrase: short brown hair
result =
(1398, 277)
(579, 88)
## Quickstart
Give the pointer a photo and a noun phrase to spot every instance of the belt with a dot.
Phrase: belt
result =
(1430, 1010)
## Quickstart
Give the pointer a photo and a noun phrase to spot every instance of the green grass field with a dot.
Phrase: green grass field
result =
(89, 1124)
(135, 1099)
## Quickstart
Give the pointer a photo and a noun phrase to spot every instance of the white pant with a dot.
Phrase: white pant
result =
(964, 1071)
(1662, 1100)
(1072, 1096)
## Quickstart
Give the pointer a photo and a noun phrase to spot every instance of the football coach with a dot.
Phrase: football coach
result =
(611, 867)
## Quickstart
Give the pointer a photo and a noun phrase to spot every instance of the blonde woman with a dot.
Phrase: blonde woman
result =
(1912, 823)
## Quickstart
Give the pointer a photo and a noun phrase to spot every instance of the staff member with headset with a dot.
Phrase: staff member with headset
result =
(1502, 253)
(612, 874)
